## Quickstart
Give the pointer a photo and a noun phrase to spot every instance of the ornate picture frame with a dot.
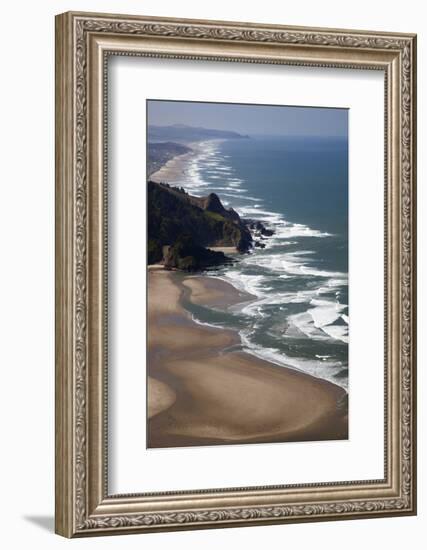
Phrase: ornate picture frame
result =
(84, 42)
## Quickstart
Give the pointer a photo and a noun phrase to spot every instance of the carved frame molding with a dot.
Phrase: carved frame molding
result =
(83, 42)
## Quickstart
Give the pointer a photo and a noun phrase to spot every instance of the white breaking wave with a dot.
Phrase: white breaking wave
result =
(234, 195)
(319, 323)
(295, 263)
(282, 229)
(324, 369)
(324, 319)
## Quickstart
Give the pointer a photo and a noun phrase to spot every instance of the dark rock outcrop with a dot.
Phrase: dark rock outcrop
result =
(187, 255)
(212, 203)
(259, 228)
(191, 224)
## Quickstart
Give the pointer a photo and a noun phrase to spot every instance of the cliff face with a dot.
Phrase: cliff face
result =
(187, 225)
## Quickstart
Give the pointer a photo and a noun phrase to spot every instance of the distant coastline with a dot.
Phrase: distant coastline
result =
(159, 154)
(182, 133)
(173, 164)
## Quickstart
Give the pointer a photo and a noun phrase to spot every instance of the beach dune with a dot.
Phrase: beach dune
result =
(203, 389)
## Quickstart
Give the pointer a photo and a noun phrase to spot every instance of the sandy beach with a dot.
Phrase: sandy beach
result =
(176, 167)
(203, 389)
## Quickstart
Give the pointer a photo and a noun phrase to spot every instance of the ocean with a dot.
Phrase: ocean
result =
(298, 187)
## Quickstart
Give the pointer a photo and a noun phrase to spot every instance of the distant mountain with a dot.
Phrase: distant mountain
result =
(181, 228)
(184, 133)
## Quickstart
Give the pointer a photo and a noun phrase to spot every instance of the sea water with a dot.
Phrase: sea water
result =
(298, 187)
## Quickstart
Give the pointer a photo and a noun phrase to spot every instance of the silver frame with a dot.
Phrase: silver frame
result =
(83, 43)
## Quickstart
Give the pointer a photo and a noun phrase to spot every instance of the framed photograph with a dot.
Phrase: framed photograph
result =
(235, 274)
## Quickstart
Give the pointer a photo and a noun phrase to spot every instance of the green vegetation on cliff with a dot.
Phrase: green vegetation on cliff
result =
(187, 255)
(181, 227)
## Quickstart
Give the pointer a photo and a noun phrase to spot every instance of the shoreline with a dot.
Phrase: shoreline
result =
(212, 292)
(176, 165)
(204, 390)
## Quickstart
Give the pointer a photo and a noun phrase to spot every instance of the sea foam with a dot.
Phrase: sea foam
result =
(314, 291)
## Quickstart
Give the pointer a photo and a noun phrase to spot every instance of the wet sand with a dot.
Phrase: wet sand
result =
(204, 390)
(213, 292)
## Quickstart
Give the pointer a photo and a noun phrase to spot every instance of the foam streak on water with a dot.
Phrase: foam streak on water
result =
(300, 316)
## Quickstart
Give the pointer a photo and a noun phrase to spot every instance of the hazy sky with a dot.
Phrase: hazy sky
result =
(251, 119)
